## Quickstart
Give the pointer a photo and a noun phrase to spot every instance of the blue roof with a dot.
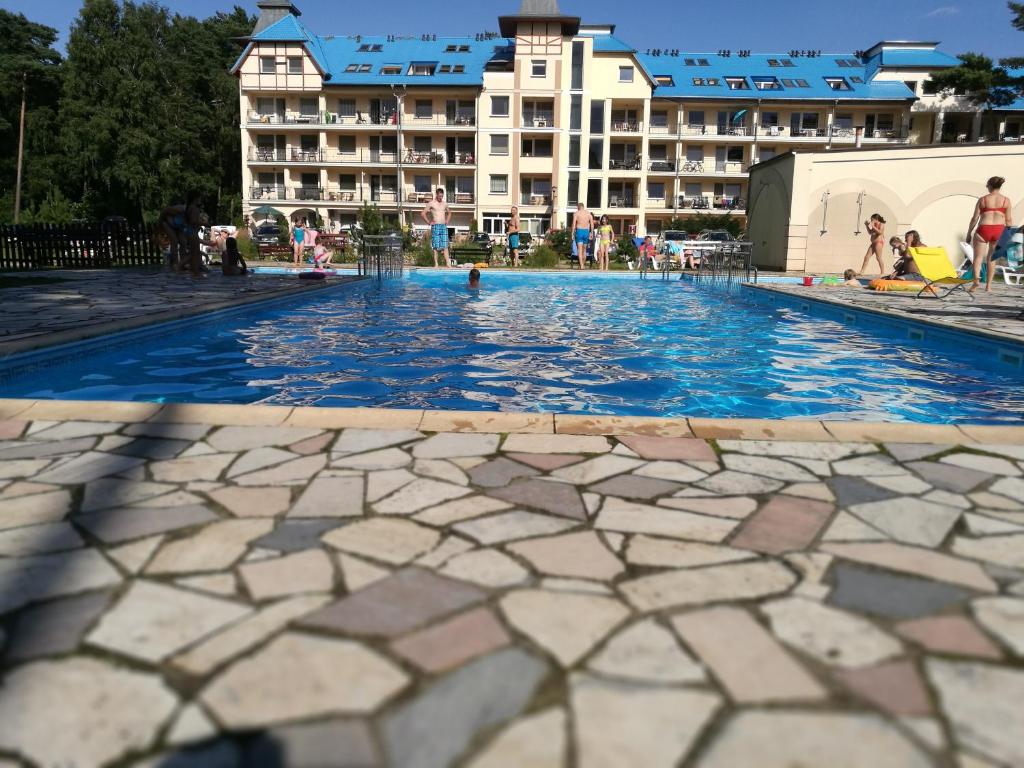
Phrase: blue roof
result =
(788, 81)
(916, 57)
(610, 44)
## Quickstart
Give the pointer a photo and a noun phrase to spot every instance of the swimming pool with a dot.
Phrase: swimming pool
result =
(567, 343)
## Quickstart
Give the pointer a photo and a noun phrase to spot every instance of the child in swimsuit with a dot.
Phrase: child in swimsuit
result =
(992, 215)
(605, 235)
(875, 227)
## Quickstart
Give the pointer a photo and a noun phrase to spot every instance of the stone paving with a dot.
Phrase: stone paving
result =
(998, 313)
(175, 593)
(93, 302)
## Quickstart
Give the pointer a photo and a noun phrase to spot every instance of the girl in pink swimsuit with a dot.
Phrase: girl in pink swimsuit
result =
(992, 215)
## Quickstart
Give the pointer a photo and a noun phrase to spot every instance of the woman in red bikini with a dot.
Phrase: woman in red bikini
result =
(992, 215)
(875, 227)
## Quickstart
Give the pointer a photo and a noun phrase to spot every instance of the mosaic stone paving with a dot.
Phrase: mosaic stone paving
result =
(187, 595)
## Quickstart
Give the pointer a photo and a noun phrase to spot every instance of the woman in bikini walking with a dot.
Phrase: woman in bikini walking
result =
(992, 215)
(875, 227)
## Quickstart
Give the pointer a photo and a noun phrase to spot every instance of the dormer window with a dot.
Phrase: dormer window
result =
(352, 68)
(391, 69)
(422, 69)
(767, 83)
(737, 83)
(459, 69)
(371, 48)
(664, 80)
(364, 68)
(705, 81)
(838, 84)
(457, 49)
(787, 63)
(856, 79)
(774, 63)
(842, 63)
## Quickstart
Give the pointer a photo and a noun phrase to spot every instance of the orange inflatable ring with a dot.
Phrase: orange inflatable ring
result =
(895, 285)
(482, 265)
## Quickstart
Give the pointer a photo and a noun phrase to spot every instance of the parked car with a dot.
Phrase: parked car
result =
(717, 235)
(670, 235)
(267, 234)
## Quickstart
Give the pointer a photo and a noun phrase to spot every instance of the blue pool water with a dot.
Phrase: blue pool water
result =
(580, 344)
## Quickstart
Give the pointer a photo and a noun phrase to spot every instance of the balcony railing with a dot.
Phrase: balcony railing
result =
(361, 156)
(662, 130)
(438, 157)
(703, 203)
(279, 192)
(626, 163)
(662, 166)
(538, 120)
(527, 198)
(732, 167)
(383, 196)
(627, 126)
(619, 200)
(411, 122)
(425, 196)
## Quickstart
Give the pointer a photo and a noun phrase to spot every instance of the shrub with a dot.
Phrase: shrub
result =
(625, 249)
(424, 255)
(543, 257)
(560, 240)
(246, 246)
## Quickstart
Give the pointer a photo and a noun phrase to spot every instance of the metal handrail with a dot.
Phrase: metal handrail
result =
(380, 256)
(727, 262)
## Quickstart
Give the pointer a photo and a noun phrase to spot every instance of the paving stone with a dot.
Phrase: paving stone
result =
(939, 475)
(955, 635)
(575, 585)
(253, 502)
(949, 499)
(364, 440)
(259, 458)
(87, 467)
(739, 581)
(815, 466)
(197, 449)
(221, 753)
(152, 621)
(875, 465)
(978, 525)
(213, 548)
(1000, 550)
(538, 741)
(731, 483)
(910, 520)
(18, 489)
(913, 451)
(592, 502)
(133, 557)
(419, 494)
(646, 652)
(988, 464)
(39, 540)
(894, 687)
(850, 491)
(192, 468)
(440, 469)
(30, 579)
(391, 541)
(46, 450)
(396, 605)
(904, 485)
(436, 728)
(69, 430)
(25, 468)
(458, 510)
(446, 445)
(582, 555)
(449, 547)
(54, 628)
(635, 487)
(308, 571)
(357, 573)
(937, 566)
(330, 497)
(453, 642)
(767, 467)
(846, 527)
(745, 658)
(670, 471)
(545, 462)
(596, 469)
(735, 507)
(556, 498)
(295, 472)
(620, 723)
(295, 535)
(982, 704)
(630, 517)
(1003, 617)
(285, 681)
(891, 595)
(238, 638)
(1010, 487)
(565, 624)
(556, 444)
(828, 451)
(384, 482)
(168, 500)
(800, 738)
(107, 493)
(783, 524)
(223, 584)
(509, 526)
(152, 448)
(668, 553)
(168, 431)
(928, 730)
(11, 429)
(669, 448)
(818, 491)
(388, 458)
(234, 439)
(486, 567)
(190, 726)
(81, 711)
(313, 445)
(499, 472)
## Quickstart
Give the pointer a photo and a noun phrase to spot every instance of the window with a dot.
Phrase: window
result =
(596, 159)
(734, 154)
(577, 66)
(853, 62)
(294, 65)
(573, 194)
(665, 80)
(659, 120)
(767, 83)
(788, 63)
(597, 116)
(499, 106)
(737, 83)
(576, 112)
(774, 63)
(842, 63)
(268, 65)
(391, 69)
(422, 145)
(690, 62)
(838, 84)
(422, 69)
(309, 107)
(626, 74)
(346, 107)
(446, 69)
(594, 193)
(788, 83)
(424, 109)
(459, 69)
(421, 183)
(695, 154)
(929, 88)
(659, 152)
(769, 119)
(856, 79)
(693, 190)
(347, 182)
(801, 83)
(656, 190)
(364, 68)
(371, 48)
(702, 63)
(705, 81)
(499, 184)
(347, 145)
(767, 153)
(574, 151)
(696, 118)
(536, 147)
(352, 68)
(539, 68)
(911, 84)
(499, 144)
(457, 49)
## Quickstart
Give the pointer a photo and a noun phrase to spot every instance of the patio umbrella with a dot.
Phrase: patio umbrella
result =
(266, 210)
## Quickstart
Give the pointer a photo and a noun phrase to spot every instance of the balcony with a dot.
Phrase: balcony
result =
(704, 203)
(412, 123)
(280, 192)
(663, 129)
(627, 126)
(539, 120)
(662, 166)
(621, 200)
(700, 168)
(527, 198)
(730, 131)
(626, 163)
(269, 155)
(383, 196)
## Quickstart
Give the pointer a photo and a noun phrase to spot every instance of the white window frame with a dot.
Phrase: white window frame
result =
(538, 64)
(499, 184)
(264, 69)
(493, 151)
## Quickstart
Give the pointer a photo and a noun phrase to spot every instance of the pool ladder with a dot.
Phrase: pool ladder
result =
(726, 263)
(380, 256)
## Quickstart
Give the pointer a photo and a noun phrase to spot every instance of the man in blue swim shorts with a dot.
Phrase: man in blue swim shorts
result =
(437, 214)
(583, 227)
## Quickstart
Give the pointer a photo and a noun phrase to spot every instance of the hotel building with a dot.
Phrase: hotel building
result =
(549, 111)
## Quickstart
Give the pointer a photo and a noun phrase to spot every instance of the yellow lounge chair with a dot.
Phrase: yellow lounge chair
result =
(936, 268)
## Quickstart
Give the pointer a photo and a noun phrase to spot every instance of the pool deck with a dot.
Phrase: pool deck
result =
(251, 585)
(996, 314)
(94, 302)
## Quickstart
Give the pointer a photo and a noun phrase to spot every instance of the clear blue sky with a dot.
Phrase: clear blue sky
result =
(760, 25)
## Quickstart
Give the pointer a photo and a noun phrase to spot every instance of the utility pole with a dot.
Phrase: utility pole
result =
(21, 148)
(399, 92)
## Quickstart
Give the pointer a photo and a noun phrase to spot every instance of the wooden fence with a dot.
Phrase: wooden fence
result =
(78, 246)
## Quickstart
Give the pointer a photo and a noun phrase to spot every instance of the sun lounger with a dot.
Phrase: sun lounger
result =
(936, 268)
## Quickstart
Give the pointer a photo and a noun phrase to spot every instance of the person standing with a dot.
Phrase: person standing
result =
(582, 227)
(298, 239)
(437, 214)
(512, 228)
(993, 213)
(605, 238)
(875, 227)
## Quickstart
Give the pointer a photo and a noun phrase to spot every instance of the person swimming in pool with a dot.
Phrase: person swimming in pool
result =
(583, 228)
(474, 279)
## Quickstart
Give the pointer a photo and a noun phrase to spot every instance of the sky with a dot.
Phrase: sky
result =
(768, 26)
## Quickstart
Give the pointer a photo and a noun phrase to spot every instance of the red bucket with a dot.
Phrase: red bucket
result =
(808, 280)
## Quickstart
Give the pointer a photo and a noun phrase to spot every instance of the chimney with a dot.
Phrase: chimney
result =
(272, 11)
(548, 8)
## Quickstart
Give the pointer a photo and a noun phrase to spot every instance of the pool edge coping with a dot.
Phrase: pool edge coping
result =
(503, 422)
